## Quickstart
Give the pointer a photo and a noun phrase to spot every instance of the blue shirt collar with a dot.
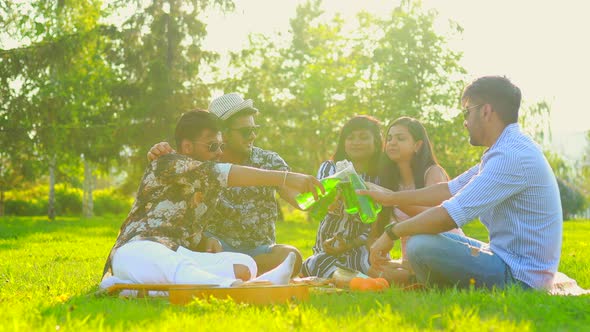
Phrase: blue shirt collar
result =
(509, 130)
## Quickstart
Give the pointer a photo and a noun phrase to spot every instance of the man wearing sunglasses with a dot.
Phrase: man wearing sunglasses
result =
(244, 218)
(160, 239)
(512, 190)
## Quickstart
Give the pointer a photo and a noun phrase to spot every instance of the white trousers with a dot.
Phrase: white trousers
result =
(148, 262)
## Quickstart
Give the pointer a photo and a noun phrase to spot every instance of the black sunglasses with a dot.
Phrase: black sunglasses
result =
(467, 110)
(246, 132)
(213, 147)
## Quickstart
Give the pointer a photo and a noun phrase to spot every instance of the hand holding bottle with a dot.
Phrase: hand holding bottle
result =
(304, 184)
(379, 194)
(363, 205)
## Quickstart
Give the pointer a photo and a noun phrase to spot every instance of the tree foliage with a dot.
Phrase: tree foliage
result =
(78, 86)
(45, 78)
(386, 67)
(88, 80)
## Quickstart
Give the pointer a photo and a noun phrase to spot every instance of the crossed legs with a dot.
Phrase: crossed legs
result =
(449, 259)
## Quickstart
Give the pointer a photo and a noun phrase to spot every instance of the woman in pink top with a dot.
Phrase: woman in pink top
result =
(408, 163)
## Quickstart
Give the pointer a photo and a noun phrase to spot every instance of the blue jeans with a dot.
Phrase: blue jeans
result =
(252, 252)
(449, 259)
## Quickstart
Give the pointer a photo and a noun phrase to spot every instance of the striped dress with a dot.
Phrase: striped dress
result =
(336, 222)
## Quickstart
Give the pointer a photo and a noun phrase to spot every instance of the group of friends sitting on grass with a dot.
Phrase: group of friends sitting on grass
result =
(205, 213)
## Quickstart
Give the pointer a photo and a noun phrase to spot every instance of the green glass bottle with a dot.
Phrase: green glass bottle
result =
(319, 210)
(349, 197)
(361, 204)
(305, 200)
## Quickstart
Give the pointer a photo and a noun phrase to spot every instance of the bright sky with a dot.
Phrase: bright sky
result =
(542, 46)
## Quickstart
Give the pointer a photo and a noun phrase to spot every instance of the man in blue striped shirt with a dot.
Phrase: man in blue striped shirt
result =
(512, 190)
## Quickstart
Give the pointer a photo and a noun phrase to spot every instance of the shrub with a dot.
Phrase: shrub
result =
(27, 202)
(572, 200)
(110, 201)
(18, 207)
(68, 201)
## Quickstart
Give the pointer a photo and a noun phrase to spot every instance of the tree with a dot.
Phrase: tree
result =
(160, 58)
(534, 119)
(95, 90)
(572, 200)
(15, 169)
(388, 67)
(584, 172)
(64, 53)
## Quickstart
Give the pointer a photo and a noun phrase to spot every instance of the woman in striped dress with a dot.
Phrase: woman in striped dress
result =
(342, 238)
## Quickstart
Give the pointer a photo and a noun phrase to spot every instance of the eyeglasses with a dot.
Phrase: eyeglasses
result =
(212, 147)
(246, 132)
(467, 110)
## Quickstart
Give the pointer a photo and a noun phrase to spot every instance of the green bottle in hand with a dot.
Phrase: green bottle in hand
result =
(306, 200)
(361, 204)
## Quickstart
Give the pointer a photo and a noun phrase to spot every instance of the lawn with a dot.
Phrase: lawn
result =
(49, 273)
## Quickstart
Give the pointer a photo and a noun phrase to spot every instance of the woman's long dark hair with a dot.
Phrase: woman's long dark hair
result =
(361, 122)
(424, 158)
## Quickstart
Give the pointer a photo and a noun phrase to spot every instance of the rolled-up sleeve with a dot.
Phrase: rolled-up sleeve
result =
(459, 182)
(481, 188)
(175, 168)
(222, 171)
(275, 162)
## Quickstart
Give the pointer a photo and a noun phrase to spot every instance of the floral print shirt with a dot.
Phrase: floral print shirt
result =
(245, 216)
(174, 198)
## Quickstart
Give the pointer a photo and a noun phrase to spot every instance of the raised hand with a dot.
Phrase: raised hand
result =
(159, 150)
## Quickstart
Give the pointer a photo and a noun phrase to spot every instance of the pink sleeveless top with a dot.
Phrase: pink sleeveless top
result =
(401, 216)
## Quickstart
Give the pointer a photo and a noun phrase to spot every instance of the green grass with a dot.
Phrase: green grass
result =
(49, 273)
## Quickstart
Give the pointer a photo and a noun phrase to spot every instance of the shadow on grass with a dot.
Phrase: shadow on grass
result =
(430, 309)
(449, 309)
(16, 231)
(116, 313)
(441, 309)
(109, 311)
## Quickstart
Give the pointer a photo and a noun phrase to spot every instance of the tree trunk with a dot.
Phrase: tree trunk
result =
(51, 200)
(87, 202)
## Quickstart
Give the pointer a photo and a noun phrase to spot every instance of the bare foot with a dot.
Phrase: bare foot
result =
(281, 274)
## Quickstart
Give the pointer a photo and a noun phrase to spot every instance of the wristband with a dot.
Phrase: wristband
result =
(390, 233)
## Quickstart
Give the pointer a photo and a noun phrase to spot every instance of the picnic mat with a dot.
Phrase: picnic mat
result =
(261, 293)
(564, 285)
(252, 293)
